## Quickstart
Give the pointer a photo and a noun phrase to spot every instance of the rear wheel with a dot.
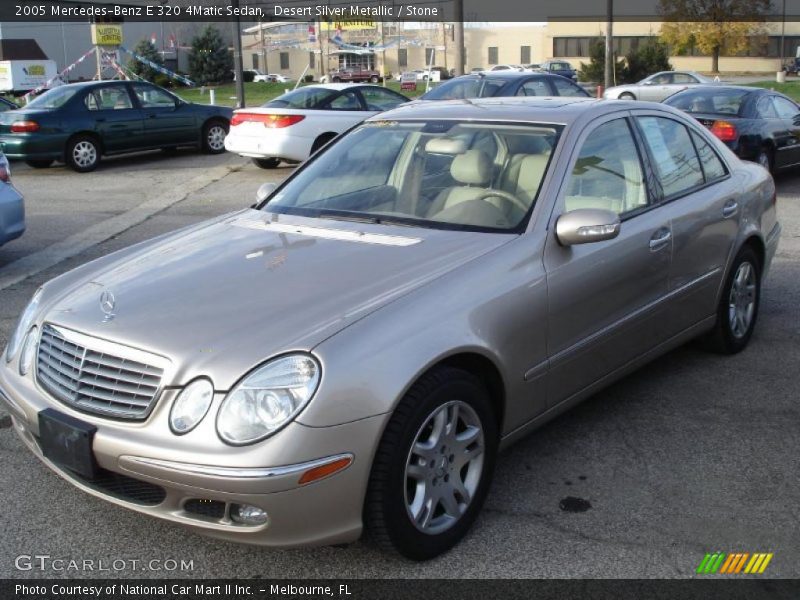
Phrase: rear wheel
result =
(83, 153)
(39, 163)
(374, 79)
(433, 466)
(627, 96)
(738, 305)
(214, 133)
(765, 159)
(267, 163)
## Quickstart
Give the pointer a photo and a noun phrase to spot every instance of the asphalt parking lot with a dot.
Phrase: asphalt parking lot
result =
(695, 453)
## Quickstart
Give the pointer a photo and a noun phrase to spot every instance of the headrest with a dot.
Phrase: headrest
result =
(472, 167)
(531, 171)
(527, 144)
(445, 145)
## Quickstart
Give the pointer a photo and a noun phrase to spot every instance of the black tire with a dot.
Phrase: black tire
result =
(336, 80)
(766, 158)
(267, 163)
(39, 163)
(387, 515)
(724, 338)
(214, 133)
(82, 153)
(322, 141)
(627, 96)
(374, 79)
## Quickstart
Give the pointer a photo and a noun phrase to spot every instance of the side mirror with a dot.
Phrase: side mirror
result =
(587, 225)
(265, 191)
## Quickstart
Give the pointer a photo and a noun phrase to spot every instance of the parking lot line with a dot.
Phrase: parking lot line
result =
(50, 256)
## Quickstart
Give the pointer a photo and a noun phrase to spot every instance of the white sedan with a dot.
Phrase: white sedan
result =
(294, 126)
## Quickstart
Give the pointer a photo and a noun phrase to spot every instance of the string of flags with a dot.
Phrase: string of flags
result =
(51, 81)
(159, 68)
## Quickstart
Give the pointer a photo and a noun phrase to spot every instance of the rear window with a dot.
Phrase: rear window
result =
(472, 87)
(721, 102)
(303, 98)
(55, 98)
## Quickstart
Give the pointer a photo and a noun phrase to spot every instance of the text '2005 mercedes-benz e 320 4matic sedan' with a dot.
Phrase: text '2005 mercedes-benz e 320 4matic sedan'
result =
(353, 352)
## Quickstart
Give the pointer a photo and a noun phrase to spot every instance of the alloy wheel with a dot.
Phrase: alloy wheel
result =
(216, 137)
(84, 154)
(444, 467)
(742, 300)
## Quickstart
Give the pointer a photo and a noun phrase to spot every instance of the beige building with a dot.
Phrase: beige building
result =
(292, 48)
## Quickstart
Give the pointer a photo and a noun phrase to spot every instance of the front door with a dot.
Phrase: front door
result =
(116, 120)
(604, 297)
(167, 121)
(789, 114)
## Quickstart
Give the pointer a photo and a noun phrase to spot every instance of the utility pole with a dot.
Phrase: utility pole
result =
(238, 67)
(609, 82)
(783, 34)
(458, 27)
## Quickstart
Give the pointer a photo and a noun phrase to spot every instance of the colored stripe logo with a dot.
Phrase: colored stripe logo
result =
(733, 564)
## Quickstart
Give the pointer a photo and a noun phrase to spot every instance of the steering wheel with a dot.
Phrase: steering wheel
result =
(505, 196)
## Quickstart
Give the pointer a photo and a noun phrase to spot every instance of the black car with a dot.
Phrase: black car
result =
(757, 124)
(504, 83)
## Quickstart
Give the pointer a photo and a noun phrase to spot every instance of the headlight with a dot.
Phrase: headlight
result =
(267, 399)
(191, 406)
(28, 351)
(24, 323)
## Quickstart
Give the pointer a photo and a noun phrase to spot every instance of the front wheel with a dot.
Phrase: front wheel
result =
(214, 137)
(433, 466)
(738, 305)
(374, 79)
(627, 96)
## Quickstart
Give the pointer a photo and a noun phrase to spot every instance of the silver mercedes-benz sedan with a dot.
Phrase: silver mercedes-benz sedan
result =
(658, 86)
(429, 288)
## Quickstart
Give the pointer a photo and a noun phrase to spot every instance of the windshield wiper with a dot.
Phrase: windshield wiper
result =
(366, 219)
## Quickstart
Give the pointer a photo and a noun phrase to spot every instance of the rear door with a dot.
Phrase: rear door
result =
(702, 202)
(167, 121)
(116, 119)
(605, 298)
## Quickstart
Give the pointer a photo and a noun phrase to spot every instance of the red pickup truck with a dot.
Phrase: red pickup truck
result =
(354, 76)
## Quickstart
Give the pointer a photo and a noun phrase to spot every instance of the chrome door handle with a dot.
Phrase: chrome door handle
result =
(660, 239)
(731, 208)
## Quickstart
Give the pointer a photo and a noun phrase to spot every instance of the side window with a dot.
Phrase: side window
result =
(534, 87)
(345, 101)
(379, 99)
(564, 87)
(152, 97)
(663, 79)
(712, 165)
(785, 108)
(112, 97)
(683, 78)
(765, 108)
(675, 158)
(608, 173)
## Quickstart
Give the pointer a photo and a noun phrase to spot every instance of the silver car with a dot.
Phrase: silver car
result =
(437, 283)
(12, 205)
(658, 86)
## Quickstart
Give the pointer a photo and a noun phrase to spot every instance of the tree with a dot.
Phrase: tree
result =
(145, 49)
(210, 61)
(650, 57)
(712, 26)
(595, 70)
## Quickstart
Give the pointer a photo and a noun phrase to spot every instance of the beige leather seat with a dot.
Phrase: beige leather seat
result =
(473, 170)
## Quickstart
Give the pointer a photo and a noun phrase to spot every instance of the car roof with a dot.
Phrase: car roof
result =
(717, 87)
(505, 74)
(331, 86)
(551, 109)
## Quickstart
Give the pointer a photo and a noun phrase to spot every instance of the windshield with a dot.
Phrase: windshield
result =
(723, 102)
(442, 174)
(55, 98)
(308, 97)
(461, 88)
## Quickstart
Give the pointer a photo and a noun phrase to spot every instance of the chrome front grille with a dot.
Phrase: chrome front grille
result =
(96, 376)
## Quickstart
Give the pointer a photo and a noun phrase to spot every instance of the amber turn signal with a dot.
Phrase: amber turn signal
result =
(325, 470)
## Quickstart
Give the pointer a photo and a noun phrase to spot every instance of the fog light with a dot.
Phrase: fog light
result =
(28, 351)
(248, 515)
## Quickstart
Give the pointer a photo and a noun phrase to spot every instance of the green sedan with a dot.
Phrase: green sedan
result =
(81, 122)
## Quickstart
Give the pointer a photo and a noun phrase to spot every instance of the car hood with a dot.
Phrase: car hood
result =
(219, 299)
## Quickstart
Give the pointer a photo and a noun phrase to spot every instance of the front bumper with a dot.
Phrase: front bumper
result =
(169, 478)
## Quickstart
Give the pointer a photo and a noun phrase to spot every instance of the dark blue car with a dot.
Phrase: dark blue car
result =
(504, 83)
